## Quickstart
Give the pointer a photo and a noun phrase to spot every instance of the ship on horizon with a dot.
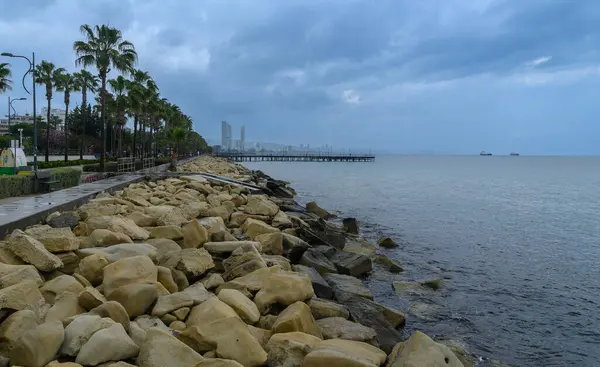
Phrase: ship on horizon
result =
(514, 154)
(483, 152)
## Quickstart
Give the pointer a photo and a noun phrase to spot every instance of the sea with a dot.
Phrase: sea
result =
(516, 240)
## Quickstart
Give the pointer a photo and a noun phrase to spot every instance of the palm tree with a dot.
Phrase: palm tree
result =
(178, 134)
(87, 83)
(119, 87)
(47, 74)
(104, 48)
(5, 75)
(141, 88)
(67, 83)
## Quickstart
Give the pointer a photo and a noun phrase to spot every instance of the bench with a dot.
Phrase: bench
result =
(45, 181)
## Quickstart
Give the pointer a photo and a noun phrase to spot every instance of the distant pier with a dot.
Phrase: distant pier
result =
(281, 157)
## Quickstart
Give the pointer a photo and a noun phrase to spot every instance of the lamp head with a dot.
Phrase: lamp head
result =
(6, 54)
(20, 99)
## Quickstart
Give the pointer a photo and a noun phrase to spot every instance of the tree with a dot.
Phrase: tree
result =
(141, 88)
(104, 48)
(47, 74)
(178, 134)
(5, 75)
(119, 87)
(67, 83)
(87, 83)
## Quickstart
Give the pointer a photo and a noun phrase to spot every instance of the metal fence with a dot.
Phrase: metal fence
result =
(125, 165)
(148, 164)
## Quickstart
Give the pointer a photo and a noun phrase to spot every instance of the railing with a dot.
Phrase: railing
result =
(148, 164)
(125, 165)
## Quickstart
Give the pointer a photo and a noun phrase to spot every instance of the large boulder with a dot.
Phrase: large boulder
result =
(314, 208)
(66, 220)
(118, 225)
(345, 285)
(253, 228)
(131, 270)
(165, 215)
(162, 349)
(115, 311)
(211, 310)
(15, 326)
(65, 305)
(141, 219)
(359, 245)
(213, 224)
(244, 307)
(350, 263)
(243, 260)
(421, 350)
(90, 298)
(294, 247)
(92, 268)
(213, 281)
(14, 274)
(110, 344)
(54, 239)
(289, 349)
(80, 330)
(193, 262)
(297, 317)
(38, 346)
(344, 353)
(284, 288)
(171, 232)
(340, 328)
(316, 260)
(228, 246)
(136, 298)
(321, 309)
(281, 220)
(391, 264)
(320, 286)
(165, 277)
(271, 243)
(261, 205)
(59, 285)
(32, 251)
(104, 237)
(351, 225)
(387, 242)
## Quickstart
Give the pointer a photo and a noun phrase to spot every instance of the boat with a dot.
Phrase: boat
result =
(514, 154)
(483, 152)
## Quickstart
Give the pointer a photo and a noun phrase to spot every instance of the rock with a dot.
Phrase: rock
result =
(230, 338)
(316, 260)
(297, 317)
(32, 251)
(61, 284)
(261, 335)
(421, 350)
(266, 322)
(171, 232)
(117, 252)
(38, 346)
(15, 326)
(194, 235)
(313, 208)
(350, 225)
(217, 362)
(271, 243)
(66, 220)
(466, 358)
(222, 236)
(146, 322)
(293, 247)
(253, 228)
(165, 277)
(360, 246)
(340, 328)
(104, 237)
(128, 227)
(195, 209)
(434, 284)
(344, 353)
(92, 267)
(351, 264)
(171, 302)
(177, 325)
(387, 242)
(90, 298)
(168, 319)
(135, 298)
(161, 349)
(213, 281)
(110, 344)
(228, 246)
(131, 270)
(65, 305)
(70, 262)
(193, 262)
(141, 219)
(281, 220)
(289, 349)
(22, 296)
(346, 284)
(320, 286)
(213, 224)
(391, 264)
(198, 293)
(163, 246)
(284, 288)
(19, 273)
(166, 215)
(403, 288)
(115, 311)
(242, 261)
(7, 257)
(54, 239)
(80, 330)
(181, 313)
(282, 262)
(261, 205)
(211, 310)
(223, 211)
(321, 309)
(241, 304)
(180, 279)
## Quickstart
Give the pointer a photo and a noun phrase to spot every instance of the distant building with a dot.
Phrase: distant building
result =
(243, 138)
(15, 119)
(61, 114)
(225, 136)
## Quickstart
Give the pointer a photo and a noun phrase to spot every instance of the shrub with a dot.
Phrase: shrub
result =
(66, 177)
(56, 164)
(24, 184)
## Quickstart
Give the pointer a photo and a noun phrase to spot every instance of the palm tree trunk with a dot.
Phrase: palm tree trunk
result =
(48, 131)
(135, 125)
(120, 140)
(103, 100)
(84, 112)
(143, 137)
(66, 132)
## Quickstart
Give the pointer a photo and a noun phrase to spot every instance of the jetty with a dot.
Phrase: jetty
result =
(283, 157)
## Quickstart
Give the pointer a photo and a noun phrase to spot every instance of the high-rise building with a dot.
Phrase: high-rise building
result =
(226, 144)
(229, 140)
(243, 138)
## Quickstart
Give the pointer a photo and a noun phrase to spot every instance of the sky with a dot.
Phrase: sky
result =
(403, 76)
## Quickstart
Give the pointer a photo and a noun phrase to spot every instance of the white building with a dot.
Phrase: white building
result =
(243, 138)
(15, 119)
(61, 114)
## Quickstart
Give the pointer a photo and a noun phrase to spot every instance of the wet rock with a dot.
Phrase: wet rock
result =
(261, 205)
(344, 353)
(351, 225)
(161, 349)
(66, 220)
(316, 260)
(434, 284)
(320, 286)
(352, 264)
(54, 239)
(110, 344)
(340, 328)
(314, 208)
(32, 251)
(284, 288)
(421, 350)
(171, 302)
(466, 358)
(253, 228)
(80, 330)
(387, 242)
(131, 270)
(361, 246)
(171, 232)
(391, 264)
(403, 288)
(294, 247)
(297, 317)
(193, 262)
(244, 307)
(104, 237)
(135, 298)
(321, 309)
(228, 246)
(289, 349)
(38, 346)
(346, 284)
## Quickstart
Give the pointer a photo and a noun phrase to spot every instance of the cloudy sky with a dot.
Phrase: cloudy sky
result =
(427, 76)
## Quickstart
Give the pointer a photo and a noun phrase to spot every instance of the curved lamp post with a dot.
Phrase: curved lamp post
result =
(10, 106)
(32, 71)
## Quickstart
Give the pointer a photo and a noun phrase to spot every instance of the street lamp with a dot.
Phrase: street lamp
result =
(32, 71)
(10, 101)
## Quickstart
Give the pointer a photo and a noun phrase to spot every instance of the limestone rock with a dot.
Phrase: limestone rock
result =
(321, 309)
(66, 220)
(15, 326)
(222, 236)
(165, 215)
(110, 344)
(54, 239)
(228, 246)
(359, 245)
(266, 322)
(294, 247)
(261, 205)
(161, 349)
(117, 252)
(297, 317)
(165, 277)
(7, 257)
(181, 313)
(80, 330)
(141, 219)
(281, 220)
(17, 274)
(32, 251)
(65, 305)
(211, 310)
(70, 262)
(171, 302)
(193, 262)
(218, 362)
(38, 346)
(344, 353)
(314, 208)
(213, 281)
(104, 237)
(177, 325)
(284, 288)
(421, 350)
(129, 228)
(316, 260)
(342, 284)
(213, 224)
(61, 284)
(340, 328)
(253, 228)
(198, 293)
(260, 334)
(163, 246)
(271, 243)
(391, 264)
(277, 260)
(115, 311)
(242, 261)
(194, 235)
(320, 286)
(387, 242)
(91, 268)
(244, 307)
(90, 298)
(171, 232)
(146, 322)
(180, 279)
(137, 269)
(289, 349)
(136, 298)
(350, 263)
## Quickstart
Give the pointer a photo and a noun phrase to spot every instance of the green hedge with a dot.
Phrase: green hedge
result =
(56, 164)
(19, 185)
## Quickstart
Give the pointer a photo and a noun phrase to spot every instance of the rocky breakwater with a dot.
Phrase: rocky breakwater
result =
(188, 272)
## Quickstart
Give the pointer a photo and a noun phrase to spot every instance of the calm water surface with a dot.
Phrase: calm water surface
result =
(517, 240)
